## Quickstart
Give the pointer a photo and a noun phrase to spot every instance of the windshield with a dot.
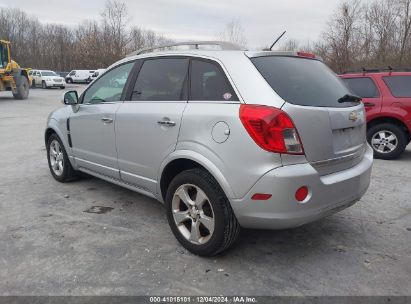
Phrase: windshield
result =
(302, 81)
(49, 73)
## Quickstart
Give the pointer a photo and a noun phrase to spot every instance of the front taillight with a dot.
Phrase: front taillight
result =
(271, 129)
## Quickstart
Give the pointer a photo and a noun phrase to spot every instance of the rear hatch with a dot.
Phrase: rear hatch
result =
(333, 134)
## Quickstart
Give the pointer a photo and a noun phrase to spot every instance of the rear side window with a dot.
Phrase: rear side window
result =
(301, 81)
(363, 87)
(162, 80)
(209, 82)
(400, 86)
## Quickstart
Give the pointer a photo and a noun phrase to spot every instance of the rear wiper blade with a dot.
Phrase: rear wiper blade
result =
(349, 98)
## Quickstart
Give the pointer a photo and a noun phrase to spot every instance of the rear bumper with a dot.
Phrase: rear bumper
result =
(328, 194)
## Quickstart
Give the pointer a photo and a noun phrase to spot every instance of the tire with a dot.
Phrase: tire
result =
(65, 172)
(33, 84)
(22, 90)
(43, 85)
(387, 140)
(62, 88)
(224, 228)
(69, 80)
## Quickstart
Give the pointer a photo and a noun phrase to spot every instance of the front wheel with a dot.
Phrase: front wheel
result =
(44, 85)
(387, 140)
(200, 214)
(22, 90)
(59, 164)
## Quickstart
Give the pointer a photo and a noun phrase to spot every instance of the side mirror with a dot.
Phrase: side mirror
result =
(70, 98)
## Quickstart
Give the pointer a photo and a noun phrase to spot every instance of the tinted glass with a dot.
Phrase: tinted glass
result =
(363, 87)
(49, 74)
(400, 86)
(162, 80)
(302, 81)
(209, 83)
(109, 87)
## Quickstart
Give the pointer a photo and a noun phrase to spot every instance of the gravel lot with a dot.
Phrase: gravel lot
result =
(50, 246)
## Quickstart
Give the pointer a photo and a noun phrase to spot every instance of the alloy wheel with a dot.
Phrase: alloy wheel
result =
(384, 141)
(193, 214)
(56, 158)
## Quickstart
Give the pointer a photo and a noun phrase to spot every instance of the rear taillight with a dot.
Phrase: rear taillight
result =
(306, 55)
(271, 129)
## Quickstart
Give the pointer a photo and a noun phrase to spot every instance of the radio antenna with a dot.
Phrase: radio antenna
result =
(278, 39)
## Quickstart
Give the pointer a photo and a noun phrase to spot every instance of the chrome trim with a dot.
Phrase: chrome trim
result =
(337, 160)
(224, 45)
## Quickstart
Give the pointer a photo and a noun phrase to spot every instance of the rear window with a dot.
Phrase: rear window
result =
(301, 81)
(400, 86)
(362, 86)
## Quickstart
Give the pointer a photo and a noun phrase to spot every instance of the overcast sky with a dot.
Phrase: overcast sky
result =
(199, 19)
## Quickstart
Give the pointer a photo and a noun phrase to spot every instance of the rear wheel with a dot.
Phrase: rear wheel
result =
(22, 90)
(59, 164)
(200, 214)
(387, 140)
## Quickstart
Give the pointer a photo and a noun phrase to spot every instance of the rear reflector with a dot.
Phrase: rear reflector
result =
(261, 197)
(301, 194)
(271, 128)
(306, 55)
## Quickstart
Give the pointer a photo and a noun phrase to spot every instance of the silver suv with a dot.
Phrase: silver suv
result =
(225, 138)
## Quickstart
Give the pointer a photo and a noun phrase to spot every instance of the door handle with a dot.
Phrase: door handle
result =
(107, 120)
(369, 104)
(167, 123)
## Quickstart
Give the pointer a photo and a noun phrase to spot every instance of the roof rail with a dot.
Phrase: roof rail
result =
(366, 70)
(224, 45)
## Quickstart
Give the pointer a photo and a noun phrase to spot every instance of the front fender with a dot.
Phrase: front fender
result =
(204, 162)
(58, 128)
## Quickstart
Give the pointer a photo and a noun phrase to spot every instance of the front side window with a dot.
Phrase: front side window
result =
(3, 56)
(72, 73)
(161, 80)
(400, 86)
(110, 86)
(363, 87)
(209, 83)
(49, 73)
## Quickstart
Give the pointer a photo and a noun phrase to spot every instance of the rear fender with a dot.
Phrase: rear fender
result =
(201, 160)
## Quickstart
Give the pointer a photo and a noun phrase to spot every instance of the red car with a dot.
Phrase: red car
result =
(387, 99)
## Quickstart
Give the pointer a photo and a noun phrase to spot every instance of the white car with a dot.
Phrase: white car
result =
(46, 79)
(79, 76)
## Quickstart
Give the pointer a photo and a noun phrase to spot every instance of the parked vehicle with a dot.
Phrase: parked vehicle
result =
(79, 76)
(12, 77)
(224, 138)
(96, 74)
(46, 79)
(387, 100)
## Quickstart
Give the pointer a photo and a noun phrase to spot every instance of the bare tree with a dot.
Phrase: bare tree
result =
(404, 12)
(233, 32)
(341, 33)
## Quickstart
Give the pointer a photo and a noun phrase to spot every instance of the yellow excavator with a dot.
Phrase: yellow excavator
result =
(12, 77)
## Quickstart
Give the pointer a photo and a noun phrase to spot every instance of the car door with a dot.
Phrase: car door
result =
(366, 88)
(148, 122)
(37, 78)
(92, 124)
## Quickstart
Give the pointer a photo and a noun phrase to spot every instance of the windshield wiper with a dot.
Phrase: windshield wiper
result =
(349, 98)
